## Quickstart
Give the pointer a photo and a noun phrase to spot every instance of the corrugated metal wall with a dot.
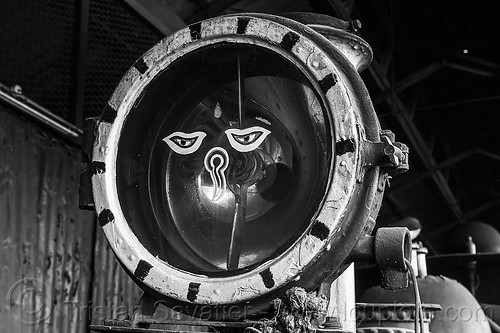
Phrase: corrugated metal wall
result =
(114, 292)
(57, 272)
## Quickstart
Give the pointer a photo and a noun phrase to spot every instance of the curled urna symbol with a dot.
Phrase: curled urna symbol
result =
(216, 163)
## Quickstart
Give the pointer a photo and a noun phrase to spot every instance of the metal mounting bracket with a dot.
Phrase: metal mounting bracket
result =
(391, 155)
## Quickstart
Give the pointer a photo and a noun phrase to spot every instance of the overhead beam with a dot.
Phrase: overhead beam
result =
(404, 119)
(495, 67)
(418, 144)
(445, 164)
(386, 58)
(449, 162)
(158, 14)
(470, 69)
(416, 77)
(409, 81)
(466, 217)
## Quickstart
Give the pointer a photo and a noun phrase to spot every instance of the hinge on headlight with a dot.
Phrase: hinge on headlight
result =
(388, 154)
(86, 199)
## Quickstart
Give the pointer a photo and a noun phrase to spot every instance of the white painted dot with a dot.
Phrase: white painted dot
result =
(217, 111)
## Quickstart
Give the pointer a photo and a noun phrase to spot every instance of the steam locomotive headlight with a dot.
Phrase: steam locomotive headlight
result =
(230, 159)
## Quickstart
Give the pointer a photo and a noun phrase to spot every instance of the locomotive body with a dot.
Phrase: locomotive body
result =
(241, 157)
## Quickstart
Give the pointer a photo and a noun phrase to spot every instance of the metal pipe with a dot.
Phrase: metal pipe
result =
(342, 301)
(43, 115)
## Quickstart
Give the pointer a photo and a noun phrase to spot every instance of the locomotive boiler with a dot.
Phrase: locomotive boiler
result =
(240, 158)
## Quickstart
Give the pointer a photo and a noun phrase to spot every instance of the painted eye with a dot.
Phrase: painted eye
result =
(245, 140)
(185, 143)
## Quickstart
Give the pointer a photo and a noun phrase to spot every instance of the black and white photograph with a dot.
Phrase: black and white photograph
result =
(249, 166)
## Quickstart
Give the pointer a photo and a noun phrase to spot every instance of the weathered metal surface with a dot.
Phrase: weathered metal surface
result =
(47, 243)
(114, 293)
(33, 110)
(337, 224)
(393, 317)
(392, 248)
(341, 34)
(46, 240)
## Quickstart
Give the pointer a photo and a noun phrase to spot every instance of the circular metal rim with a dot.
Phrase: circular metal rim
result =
(184, 286)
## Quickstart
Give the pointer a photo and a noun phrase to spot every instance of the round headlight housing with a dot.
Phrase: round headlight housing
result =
(230, 163)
